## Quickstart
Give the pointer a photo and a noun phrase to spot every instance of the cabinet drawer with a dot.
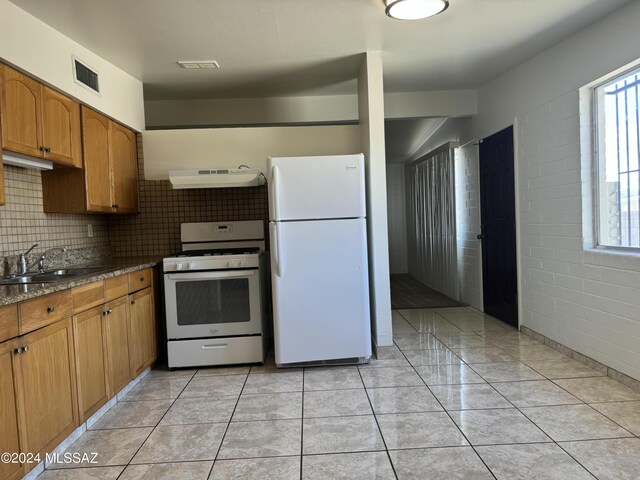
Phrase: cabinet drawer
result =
(215, 351)
(116, 287)
(140, 279)
(87, 296)
(45, 310)
(9, 326)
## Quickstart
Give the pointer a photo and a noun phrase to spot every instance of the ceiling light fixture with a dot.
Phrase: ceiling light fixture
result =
(414, 9)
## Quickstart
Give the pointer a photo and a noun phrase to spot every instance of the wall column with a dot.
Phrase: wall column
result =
(371, 119)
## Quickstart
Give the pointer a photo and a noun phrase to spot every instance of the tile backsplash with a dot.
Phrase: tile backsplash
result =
(155, 231)
(23, 221)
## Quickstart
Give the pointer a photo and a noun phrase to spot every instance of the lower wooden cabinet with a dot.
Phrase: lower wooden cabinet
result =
(9, 440)
(117, 340)
(45, 379)
(142, 331)
(90, 346)
(57, 376)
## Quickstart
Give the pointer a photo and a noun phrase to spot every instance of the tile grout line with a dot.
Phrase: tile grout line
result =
(153, 428)
(451, 418)
(215, 458)
(375, 417)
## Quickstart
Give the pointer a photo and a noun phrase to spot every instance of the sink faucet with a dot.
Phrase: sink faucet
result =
(40, 260)
(22, 261)
(24, 267)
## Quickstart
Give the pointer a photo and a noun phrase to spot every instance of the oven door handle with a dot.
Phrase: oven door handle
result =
(214, 347)
(211, 275)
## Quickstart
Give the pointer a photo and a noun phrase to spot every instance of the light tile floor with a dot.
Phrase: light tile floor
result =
(460, 396)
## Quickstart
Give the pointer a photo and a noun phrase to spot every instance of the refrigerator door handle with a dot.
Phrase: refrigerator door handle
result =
(275, 193)
(277, 241)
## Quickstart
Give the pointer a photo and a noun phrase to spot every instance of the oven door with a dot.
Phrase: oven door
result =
(212, 304)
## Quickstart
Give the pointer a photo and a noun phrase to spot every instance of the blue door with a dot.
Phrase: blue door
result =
(498, 221)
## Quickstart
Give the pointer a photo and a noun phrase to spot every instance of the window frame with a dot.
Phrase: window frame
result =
(595, 162)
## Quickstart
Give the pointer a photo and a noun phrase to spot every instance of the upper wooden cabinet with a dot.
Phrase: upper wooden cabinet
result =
(38, 121)
(124, 161)
(96, 132)
(109, 181)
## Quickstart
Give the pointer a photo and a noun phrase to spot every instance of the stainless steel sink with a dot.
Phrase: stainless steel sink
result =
(21, 281)
(69, 272)
(51, 276)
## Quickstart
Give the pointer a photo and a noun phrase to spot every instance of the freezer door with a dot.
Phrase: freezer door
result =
(306, 188)
(320, 290)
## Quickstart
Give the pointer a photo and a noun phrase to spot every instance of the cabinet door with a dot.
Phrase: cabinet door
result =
(61, 128)
(20, 114)
(88, 330)
(117, 339)
(46, 387)
(142, 331)
(9, 441)
(124, 159)
(97, 171)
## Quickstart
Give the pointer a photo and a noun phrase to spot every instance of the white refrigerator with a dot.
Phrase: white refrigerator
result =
(320, 282)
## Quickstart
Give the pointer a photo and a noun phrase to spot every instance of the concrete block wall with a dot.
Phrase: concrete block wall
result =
(468, 225)
(584, 298)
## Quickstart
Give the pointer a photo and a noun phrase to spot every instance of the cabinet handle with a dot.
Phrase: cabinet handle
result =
(18, 351)
(115, 205)
(104, 314)
(47, 149)
(109, 312)
(43, 149)
(142, 279)
(25, 349)
(133, 302)
(51, 309)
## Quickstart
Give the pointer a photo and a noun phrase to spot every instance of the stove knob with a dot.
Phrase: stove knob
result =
(192, 265)
(179, 266)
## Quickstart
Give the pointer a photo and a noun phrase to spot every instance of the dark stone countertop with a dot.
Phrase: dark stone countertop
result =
(17, 293)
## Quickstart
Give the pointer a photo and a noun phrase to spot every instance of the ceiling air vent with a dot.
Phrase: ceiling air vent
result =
(85, 76)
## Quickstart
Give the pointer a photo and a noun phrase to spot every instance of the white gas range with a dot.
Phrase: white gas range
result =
(216, 295)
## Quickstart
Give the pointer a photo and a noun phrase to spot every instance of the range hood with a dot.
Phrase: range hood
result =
(220, 178)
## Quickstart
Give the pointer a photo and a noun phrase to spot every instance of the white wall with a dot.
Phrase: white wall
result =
(585, 299)
(251, 111)
(441, 103)
(166, 150)
(45, 53)
(371, 114)
(301, 110)
(397, 218)
(467, 167)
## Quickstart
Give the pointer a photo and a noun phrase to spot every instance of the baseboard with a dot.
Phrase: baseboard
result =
(588, 361)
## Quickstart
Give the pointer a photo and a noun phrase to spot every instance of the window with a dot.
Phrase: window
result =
(617, 146)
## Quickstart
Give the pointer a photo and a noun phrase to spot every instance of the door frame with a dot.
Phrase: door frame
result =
(516, 186)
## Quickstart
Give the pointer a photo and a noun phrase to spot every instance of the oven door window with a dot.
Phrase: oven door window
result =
(208, 302)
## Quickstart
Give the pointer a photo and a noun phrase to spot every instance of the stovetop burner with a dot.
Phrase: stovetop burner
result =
(218, 251)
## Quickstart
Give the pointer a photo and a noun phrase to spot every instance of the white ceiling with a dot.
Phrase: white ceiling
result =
(302, 47)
